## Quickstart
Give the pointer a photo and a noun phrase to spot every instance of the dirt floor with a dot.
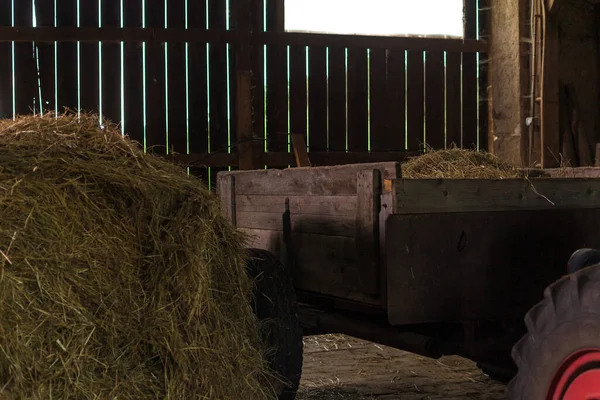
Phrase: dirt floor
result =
(339, 367)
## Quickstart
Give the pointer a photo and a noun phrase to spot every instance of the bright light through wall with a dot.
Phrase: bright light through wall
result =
(376, 17)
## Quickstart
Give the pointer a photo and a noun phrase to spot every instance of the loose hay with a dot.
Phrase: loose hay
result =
(119, 277)
(458, 164)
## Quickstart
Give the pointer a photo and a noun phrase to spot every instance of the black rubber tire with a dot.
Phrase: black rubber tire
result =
(565, 321)
(498, 372)
(276, 306)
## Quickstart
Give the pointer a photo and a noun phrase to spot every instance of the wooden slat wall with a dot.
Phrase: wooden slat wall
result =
(343, 97)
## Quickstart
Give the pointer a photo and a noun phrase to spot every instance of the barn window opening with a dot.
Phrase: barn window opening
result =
(430, 18)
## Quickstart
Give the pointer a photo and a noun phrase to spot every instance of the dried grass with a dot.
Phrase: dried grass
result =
(459, 164)
(119, 277)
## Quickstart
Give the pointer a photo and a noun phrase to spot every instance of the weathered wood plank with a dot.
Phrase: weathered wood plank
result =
(396, 100)
(300, 153)
(342, 226)
(317, 93)
(333, 206)
(434, 86)
(325, 265)
(358, 100)
(453, 100)
(468, 261)
(368, 184)
(415, 101)
(324, 181)
(338, 123)
(468, 195)
(226, 193)
(6, 60)
(89, 63)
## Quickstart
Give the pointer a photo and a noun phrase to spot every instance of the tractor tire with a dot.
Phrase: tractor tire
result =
(559, 357)
(276, 307)
(498, 372)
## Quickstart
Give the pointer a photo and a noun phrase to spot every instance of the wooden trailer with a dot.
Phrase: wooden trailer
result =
(431, 266)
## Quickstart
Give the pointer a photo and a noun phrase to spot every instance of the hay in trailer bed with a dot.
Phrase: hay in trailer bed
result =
(119, 277)
(458, 163)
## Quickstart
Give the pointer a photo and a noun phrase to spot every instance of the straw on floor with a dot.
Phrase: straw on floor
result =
(119, 277)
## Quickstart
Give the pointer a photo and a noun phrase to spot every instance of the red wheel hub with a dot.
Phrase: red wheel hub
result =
(578, 378)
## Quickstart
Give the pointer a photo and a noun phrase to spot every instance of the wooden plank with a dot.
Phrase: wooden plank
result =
(317, 92)
(25, 70)
(277, 95)
(176, 88)
(434, 86)
(67, 84)
(111, 66)
(415, 101)
(282, 160)
(198, 92)
(258, 78)
(155, 81)
(134, 82)
(298, 98)
(358, 100)
(89, 63)
(462, 195)
(44, 12)
(6, 71)
(226, 193)
(476, 258)
(469, 81)
(242, 95)
(303, 223)
(300, 153)
(484, 78)
(453, 100)
(381, 112)
(368, 188)
(322, 264)
(332, 206)
(219, 129)
(373, 42)
(323, 181)
(396, 100)
(113, 34)
(337, 99)
(550, 113)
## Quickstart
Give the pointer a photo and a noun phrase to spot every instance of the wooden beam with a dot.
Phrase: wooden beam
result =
(280, 159)
(373, 42)
(67, 34)
(422, 196)
(550, 113)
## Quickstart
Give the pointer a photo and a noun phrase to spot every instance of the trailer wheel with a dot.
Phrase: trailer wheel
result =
(559, 357)
(275, 305)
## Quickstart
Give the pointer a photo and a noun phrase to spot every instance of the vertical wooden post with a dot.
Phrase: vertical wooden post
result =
(368, 192)
(226, 193)
(243, 65)
(549, 114)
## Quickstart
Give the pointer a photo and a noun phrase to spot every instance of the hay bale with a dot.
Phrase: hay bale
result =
(119, 277)
(458, 164)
